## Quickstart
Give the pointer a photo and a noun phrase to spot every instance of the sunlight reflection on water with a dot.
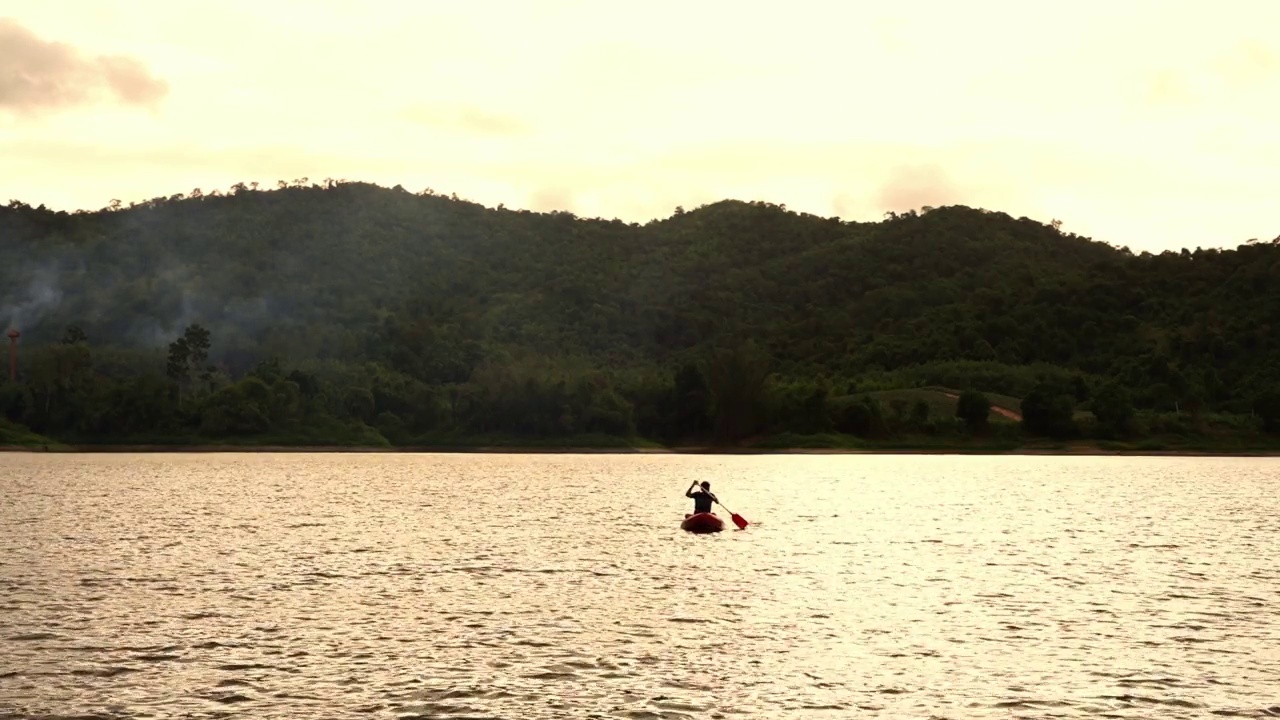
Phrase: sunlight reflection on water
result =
(551, 586)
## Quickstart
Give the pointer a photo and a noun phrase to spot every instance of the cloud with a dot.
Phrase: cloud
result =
(467, 120)
(1247, 66)
(37, 74)
(1234, 79)
(1167, 88)
(131, 80)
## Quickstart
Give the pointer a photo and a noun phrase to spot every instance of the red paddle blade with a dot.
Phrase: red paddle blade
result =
(738, 520)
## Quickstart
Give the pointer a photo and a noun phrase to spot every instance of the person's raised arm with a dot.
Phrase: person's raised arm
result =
(689, 493)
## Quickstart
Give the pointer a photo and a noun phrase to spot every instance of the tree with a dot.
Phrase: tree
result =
(974, 409)
(1048, 411)
(691, 401)
(862, 416)
(198, 343)
(188, 358)
(178, 367)
(920, 414)
(736, 378)
(1267, 406)
(358, 403)
(74, 336)
(1113, 407)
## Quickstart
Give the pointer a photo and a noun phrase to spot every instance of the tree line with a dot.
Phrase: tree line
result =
(349, 313)
(732, 396)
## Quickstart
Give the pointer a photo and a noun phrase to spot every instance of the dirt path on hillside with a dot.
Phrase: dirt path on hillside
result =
(1015, 416)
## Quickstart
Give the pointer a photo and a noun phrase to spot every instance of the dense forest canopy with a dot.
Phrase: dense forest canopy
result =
(402, 315)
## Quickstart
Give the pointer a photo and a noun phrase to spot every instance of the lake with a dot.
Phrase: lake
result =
(560, 586)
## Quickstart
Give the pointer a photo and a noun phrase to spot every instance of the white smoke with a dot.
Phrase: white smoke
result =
(42, 295)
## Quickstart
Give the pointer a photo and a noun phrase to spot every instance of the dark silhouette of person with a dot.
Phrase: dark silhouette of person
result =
(703, 498)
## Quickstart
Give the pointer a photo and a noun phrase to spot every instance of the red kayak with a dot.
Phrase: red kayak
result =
(702, 523)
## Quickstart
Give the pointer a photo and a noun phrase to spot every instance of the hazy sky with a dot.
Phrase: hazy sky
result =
(1152, 124)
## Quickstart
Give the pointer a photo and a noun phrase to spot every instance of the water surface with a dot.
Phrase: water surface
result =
(559, 586)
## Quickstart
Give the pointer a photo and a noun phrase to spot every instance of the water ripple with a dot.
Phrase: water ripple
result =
(551, 586)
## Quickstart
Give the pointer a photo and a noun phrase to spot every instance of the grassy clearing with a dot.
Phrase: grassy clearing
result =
(14, 435)
(941, 404)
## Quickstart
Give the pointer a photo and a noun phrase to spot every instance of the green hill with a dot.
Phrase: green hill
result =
(332, 312)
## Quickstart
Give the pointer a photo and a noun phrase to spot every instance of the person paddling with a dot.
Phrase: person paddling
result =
(703, 498)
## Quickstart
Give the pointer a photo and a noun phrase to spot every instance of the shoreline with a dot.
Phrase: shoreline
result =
(1078, 450)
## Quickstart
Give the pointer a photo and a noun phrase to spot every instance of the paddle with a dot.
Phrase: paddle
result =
(738, 520)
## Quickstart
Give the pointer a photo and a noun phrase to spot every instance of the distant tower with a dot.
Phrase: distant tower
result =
(13, 355)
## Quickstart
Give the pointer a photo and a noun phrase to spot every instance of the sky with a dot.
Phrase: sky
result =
(1142, 123)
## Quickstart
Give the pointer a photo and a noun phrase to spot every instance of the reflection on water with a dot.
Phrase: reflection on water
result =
(554, 586)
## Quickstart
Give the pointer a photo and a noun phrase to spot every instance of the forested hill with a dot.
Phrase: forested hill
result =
(432, 288)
